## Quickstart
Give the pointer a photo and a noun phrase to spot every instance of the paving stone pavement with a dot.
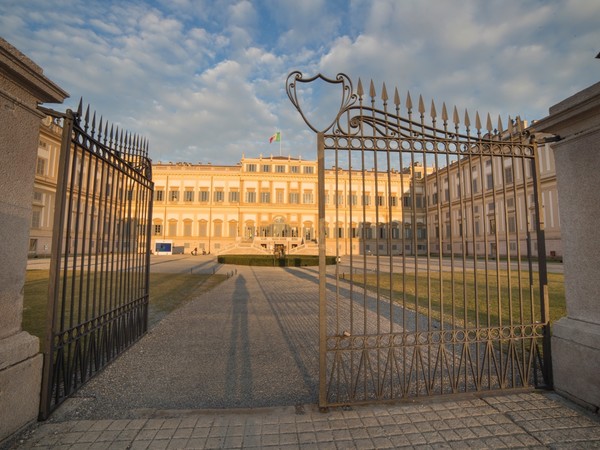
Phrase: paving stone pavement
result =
(236, 405)
(523, 420)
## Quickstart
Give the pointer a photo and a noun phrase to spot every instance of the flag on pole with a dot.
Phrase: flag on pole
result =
(275, 138)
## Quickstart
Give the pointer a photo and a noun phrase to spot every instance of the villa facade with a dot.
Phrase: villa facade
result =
(270, 205)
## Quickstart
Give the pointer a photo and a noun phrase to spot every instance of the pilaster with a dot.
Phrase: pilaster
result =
(22, 87)
(576, 338)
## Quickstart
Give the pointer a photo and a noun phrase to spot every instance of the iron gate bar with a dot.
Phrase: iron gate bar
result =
(98, 290)
(450, 329)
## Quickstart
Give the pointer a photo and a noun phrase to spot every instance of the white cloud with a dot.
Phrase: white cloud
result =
(204, 80)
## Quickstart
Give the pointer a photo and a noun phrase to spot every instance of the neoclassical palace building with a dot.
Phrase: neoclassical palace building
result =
(270, 205)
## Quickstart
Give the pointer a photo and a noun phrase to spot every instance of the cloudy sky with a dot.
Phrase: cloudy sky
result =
(204, 80)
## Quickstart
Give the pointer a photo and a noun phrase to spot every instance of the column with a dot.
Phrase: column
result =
(575, 123)
(22, 87)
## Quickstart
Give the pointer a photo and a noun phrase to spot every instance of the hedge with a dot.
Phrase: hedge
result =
(269, 260)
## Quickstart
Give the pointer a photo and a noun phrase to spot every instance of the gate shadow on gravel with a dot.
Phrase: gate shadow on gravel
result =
(297, 316)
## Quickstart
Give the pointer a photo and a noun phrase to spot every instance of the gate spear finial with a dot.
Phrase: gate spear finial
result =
(396, 99)
(421, 106)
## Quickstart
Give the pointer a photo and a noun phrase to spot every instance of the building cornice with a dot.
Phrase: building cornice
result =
(21, 71)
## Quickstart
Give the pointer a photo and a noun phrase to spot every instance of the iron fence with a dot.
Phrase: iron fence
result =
(444, 289)
(98, 292)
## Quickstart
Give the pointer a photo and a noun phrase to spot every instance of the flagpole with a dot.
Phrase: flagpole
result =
(280, 143)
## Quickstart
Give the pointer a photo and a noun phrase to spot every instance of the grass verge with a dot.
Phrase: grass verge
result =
(478, 300)
(167, 292)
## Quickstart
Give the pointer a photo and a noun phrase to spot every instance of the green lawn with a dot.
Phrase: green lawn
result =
(167, 292)
(480, 301)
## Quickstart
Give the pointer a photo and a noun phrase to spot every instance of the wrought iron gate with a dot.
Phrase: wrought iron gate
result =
(98, 291)
(442, 288)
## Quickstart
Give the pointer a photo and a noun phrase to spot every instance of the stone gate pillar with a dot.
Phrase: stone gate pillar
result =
(22, 87)
(576, 337)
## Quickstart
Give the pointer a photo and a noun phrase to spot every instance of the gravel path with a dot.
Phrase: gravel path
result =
(251, 342)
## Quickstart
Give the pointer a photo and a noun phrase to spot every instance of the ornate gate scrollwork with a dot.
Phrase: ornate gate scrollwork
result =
(444, 285)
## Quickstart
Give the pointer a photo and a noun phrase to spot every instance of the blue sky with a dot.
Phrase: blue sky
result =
(204, 81)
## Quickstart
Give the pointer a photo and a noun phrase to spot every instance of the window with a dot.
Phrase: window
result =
(393, 201)
(475, 190)
(188, 195)
(380, 200)
(512, 224)
(204, 196)
(446, 191)
(250, 197)
(174, 195)
(187, 228)
(250, 167)
(36, 218)
(294, 169)
(219, 196)
(232, 229)
(40, 168)
(279, 196)
(489, 177)
(510, 202)
(203, 228)
(309, 169)
(157, 230)
(266, 168)
(420, 201)
(280, 169)
(477, 231)
(159, 195)
(418, 175)
(33, 245)
(234, 196)
(218, 229)
(294, 197)
(265, 197)
(307, 198)
(508, 175)
(353, 199)
(434, 198)
(407, 201)
(173, 228)
(366, 199)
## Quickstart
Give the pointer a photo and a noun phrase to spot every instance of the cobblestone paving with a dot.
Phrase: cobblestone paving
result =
(526, 420)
